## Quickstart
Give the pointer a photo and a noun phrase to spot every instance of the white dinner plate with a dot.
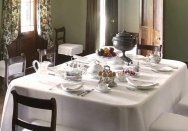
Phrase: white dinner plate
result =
(141, 84)
(163, 68)
(72, 87)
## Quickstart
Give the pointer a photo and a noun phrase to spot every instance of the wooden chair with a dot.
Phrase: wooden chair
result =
(14, 68)
(36, 125)
(47, 54)
(60, 35)
(35, 103)
(147, 49)
(64, 48)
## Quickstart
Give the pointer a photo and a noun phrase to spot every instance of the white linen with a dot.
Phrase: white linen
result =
(17, 67)
(70, 49)
(119, 110)
(2, 68)
(170, 122)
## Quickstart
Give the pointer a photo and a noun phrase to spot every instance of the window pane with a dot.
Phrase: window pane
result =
(27, 15)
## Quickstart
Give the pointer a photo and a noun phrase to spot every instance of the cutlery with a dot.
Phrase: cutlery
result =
(86, 92)
(154, 70)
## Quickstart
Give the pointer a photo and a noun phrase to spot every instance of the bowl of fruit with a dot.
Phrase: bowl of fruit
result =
(106, 52)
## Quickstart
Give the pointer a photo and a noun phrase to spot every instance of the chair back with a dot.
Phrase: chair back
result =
(46, 104)
(59, 35)
(14, 68)
(47, 54)
(147, 49)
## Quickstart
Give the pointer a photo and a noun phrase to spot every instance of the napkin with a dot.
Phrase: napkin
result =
(72, 86)
(140, 83)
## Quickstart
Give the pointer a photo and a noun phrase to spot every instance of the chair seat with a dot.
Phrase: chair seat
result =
(182, 106)
(170, 122)
(45, 123)
(70, 49)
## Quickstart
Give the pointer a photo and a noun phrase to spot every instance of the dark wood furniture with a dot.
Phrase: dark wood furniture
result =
(35, 103)
(29, 48)
(14, 68)
(60, 39)
(148, 49)
(60, 35)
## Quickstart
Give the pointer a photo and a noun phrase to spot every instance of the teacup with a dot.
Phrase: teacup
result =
(121, 77)
(103, 87)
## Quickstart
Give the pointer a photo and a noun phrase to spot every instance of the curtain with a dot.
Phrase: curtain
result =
(91, 26)
(10, 24)
(45, 29)
(111, 21)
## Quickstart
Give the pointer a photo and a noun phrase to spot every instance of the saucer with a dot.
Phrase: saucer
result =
(103, 88)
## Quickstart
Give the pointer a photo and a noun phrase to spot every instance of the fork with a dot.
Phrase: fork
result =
(86, 92)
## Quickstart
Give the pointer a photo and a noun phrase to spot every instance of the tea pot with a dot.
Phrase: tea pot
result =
(94, 68)
(40, 66)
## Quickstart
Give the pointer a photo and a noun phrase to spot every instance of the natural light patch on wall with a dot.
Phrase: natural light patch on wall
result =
(27, 16)
(102, 23)
(128, 15)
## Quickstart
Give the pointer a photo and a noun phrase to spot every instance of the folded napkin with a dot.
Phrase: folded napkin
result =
(72, 86)
(141, 84)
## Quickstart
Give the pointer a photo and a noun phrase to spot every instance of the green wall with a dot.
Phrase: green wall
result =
(128, 15)
(176, 29)
(72, 15)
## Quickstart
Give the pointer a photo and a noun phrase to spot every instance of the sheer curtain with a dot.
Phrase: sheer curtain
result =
(92, 25)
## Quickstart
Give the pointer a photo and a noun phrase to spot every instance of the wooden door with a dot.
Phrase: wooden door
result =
(111, 21)
(26, 41)
(151, 24)
(28, 47)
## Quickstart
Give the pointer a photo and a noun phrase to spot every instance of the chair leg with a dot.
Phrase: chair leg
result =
(3, 86)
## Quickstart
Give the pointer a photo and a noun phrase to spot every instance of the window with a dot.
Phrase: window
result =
(27, 15)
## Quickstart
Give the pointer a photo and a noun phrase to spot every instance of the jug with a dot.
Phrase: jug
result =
(40, 67)
(94, 68)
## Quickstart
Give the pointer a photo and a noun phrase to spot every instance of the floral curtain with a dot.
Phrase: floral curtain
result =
(10, 24)
(45, 21)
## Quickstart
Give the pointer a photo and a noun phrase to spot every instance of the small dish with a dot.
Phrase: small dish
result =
(102, 87)
(121, 77)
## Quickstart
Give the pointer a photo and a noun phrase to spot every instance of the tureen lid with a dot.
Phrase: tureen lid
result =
(124, 36)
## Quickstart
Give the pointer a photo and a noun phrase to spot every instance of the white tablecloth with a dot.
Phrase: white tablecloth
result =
(119, 110)
(70, 49)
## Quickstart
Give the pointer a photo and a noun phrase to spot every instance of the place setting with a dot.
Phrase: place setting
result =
(141, 83)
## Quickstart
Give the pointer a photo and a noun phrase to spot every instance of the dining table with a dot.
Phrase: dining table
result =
(123, 108)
